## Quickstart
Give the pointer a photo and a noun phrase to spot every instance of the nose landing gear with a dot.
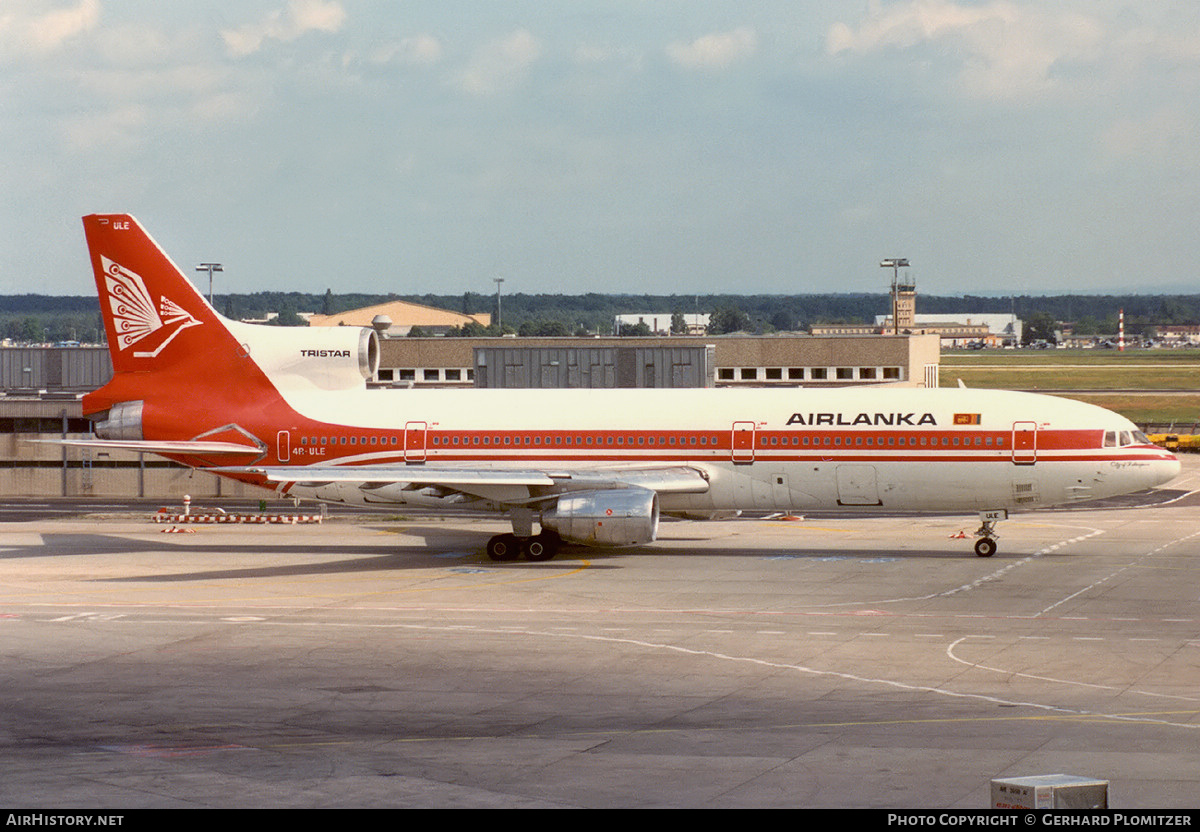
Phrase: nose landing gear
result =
(985, 546)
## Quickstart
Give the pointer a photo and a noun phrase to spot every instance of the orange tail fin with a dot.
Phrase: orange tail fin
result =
(169, 348)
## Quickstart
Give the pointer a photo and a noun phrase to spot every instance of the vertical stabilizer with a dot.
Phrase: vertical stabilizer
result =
(169, 348)
(146, 302)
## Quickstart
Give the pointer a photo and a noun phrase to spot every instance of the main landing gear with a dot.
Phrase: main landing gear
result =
(985, 546)
(508, 547)
(523, 542)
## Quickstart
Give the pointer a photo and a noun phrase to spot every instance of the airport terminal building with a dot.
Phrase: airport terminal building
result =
(679, 361)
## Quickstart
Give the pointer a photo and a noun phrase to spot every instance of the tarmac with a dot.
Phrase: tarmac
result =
(385, 662)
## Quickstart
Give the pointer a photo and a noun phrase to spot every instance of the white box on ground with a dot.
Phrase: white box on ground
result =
(1049, 791)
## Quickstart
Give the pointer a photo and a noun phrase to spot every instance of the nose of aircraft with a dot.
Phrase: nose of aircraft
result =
(1167, 468)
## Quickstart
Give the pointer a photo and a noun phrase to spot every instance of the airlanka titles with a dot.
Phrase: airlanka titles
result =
(868, 419)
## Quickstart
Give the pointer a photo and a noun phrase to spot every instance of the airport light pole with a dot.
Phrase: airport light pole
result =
(499, 317)
(895, 264)
(210, 268)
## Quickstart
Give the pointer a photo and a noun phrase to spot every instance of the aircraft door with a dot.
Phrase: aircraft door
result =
(1024, 443)
(781, 494)
(414, 442)
(743, 443)
(283, 445)
(857, 486)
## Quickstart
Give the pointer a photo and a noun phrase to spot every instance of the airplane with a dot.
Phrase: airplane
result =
(289, 409)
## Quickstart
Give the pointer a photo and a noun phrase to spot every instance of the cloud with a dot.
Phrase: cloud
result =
(1161, 138)
(420, 50)
(122, 128)
(23, 29)
(715, 51)
(295, 19)
(1004, 49)
(501, 65)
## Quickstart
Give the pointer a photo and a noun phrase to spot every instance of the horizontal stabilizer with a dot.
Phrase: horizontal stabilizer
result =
(157, 446)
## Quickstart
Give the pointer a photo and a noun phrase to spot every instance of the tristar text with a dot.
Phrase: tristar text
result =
(325, 353)
(862, 419)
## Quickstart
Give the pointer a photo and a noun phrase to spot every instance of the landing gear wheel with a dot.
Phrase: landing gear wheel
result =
(541, 547)
(985, 547)
(503, 547)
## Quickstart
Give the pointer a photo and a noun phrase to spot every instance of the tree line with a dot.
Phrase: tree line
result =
(42, 318)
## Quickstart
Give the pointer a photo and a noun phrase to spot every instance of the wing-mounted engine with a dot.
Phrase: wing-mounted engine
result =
(613, 517)
(322, 357)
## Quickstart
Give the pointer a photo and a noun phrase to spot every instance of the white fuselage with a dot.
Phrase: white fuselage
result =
(898, 448)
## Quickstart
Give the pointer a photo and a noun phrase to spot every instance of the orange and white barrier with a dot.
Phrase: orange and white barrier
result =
(285, 519)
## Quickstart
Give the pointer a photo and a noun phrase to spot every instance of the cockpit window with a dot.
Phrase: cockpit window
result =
(1121, 439)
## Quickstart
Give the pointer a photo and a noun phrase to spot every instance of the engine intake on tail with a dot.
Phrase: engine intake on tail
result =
(612, 517)
(326, 357)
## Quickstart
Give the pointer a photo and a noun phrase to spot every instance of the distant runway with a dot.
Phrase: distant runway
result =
(869, 662)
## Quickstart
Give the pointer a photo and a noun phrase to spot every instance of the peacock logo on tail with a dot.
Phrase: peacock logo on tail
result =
(134, 315)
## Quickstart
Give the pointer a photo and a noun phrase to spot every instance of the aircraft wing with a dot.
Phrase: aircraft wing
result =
(679, 479)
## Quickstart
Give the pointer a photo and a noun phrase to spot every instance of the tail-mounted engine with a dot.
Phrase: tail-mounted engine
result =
(613, 517)
(324, 357)
(121, 421)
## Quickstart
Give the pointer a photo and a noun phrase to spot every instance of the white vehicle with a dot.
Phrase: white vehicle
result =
(288, 409)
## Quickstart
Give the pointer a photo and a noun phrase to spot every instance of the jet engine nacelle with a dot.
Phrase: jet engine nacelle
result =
(324, 357)
(613, 517)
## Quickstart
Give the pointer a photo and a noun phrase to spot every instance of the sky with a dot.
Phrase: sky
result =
(659, 146)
